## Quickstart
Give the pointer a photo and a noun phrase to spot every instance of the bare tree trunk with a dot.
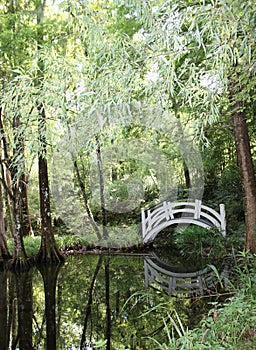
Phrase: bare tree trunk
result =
(26, 228)
(247, 177)
(6, 179)
(4, 252)
(245, 163)
(85, 200)
(19, 250)
(102, 186)
(48, 250)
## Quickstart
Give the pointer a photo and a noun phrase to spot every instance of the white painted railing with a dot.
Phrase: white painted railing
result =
(166, 214)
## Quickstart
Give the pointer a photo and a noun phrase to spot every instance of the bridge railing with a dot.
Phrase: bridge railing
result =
(169, 213)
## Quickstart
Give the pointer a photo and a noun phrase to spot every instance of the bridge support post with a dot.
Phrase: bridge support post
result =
(197, 209)
(223, 220)
(143, 223)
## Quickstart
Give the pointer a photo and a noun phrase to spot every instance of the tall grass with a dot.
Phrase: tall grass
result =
(230, 324)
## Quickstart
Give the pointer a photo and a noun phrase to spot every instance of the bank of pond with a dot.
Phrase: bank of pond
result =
(129, 302)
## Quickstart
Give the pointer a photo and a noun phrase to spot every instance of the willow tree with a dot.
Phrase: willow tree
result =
(197, 58)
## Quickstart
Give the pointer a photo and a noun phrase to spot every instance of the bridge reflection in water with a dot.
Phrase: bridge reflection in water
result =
(163, 275)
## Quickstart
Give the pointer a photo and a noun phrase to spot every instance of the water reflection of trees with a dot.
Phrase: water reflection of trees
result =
(17, 313)
(84, 301)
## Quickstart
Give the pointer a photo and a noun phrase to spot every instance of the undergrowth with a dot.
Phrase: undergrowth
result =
(229, 325)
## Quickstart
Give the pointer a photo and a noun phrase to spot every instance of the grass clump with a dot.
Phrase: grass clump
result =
(199, 241)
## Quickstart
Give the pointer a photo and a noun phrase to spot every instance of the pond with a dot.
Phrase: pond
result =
(112, 302)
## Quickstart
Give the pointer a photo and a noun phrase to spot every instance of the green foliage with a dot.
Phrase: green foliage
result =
(32, 245)
(197, 241)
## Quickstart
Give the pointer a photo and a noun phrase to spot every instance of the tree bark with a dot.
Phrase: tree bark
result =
(246, 168)
(26, 228)
(85, 200)
(4, 252)
(102, 189)
(19, 250)
(48, 249)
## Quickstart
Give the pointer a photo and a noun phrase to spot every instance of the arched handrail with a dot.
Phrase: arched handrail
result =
(156, 219)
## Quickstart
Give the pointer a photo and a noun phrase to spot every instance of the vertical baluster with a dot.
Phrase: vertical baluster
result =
(197, 212)
(223, 220)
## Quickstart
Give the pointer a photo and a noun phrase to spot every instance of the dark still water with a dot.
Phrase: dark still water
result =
(101, 300)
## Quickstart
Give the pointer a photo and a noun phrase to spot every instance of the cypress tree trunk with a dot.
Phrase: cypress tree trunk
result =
(85, 200)
(4, 252)
(245, 163)
(48, 250)
(247, 176)
(102, 189)
(26, 228)
(19, 250)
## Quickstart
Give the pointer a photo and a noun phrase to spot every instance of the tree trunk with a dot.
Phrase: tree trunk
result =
(6, 179)
(26, 228)
(16, 171)
(4, 252)
(85, 200)
(102, 185)
(19, 250)
(247, 176)
(245, 166)
(48, 250)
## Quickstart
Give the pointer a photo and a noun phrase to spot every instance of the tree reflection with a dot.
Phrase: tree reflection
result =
(108, 310)
(50, 275)
(25, 309)
(3, 311)
(100, 299)
(89, 305)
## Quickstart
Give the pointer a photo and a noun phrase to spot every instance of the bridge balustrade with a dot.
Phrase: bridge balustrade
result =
(167, 213)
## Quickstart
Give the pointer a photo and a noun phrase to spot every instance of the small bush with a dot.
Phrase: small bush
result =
(199, 241)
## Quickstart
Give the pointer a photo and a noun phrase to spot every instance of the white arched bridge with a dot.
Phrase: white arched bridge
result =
(156, 219)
